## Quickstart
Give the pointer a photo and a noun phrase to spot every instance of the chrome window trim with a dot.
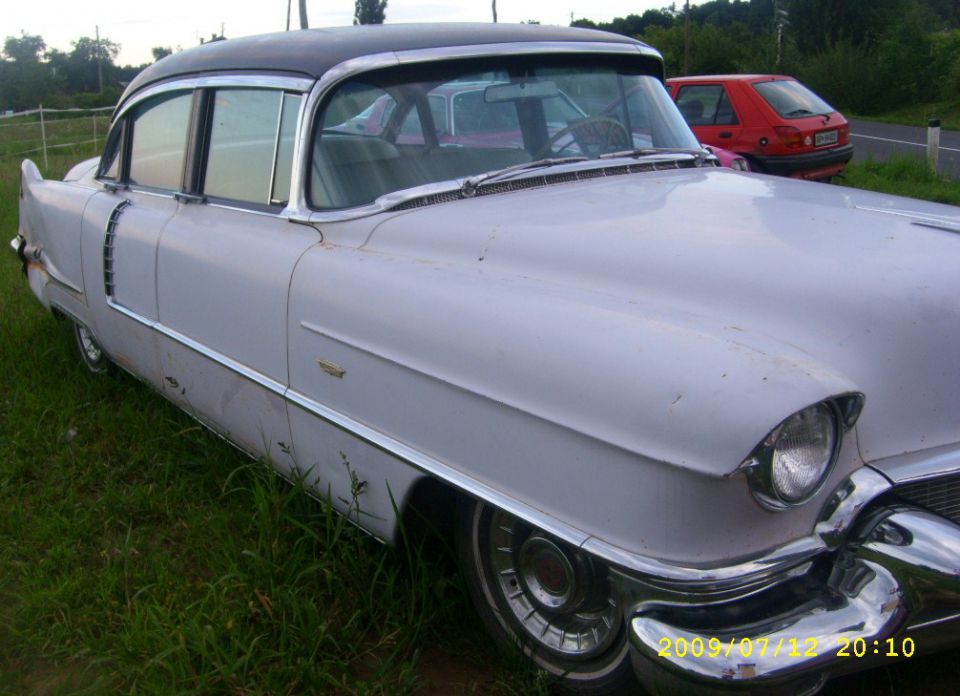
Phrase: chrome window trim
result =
(276, 150)
(156, 192)
(683, 578)
(238, 207)
(188, 84)
(299, 206)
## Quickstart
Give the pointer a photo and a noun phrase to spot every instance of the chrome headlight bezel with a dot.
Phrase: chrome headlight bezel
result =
(842, 412)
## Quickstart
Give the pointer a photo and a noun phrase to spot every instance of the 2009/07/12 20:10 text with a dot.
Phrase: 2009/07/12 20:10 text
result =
(785, 647)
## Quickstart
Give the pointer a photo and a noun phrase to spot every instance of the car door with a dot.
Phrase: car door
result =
(142, 174)
(223, 270)
(709, 111)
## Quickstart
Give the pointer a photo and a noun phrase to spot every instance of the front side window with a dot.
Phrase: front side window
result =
(387, 130)
(250, 151)
(706, 105)
(159, 141)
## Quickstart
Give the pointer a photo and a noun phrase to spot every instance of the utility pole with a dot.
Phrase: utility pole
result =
(780, 18)
(99, 61)
(494, 11)
(686, 39)
(289, 4)
(303, 15)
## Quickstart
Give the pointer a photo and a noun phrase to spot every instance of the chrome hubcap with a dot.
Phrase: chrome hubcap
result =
(91, 350)
(557, 594)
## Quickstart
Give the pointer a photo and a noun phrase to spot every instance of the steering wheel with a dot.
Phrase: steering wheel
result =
(594, 135)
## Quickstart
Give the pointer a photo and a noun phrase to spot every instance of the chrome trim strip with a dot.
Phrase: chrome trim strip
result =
(916, 466)
(292, 84)
(848, 500)
(935, 622)
(231, 364)
(168, 194)
(706, 579)
(523, 48)
(435, 467)
(276, 150)
(241, 209)
(698, 579)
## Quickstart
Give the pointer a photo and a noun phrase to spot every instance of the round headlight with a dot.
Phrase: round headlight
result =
(791, 464)
(803, 453)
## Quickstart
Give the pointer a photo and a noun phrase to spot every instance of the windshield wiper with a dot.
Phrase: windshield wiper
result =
(470, 185)
(799, 112)
(638, 152)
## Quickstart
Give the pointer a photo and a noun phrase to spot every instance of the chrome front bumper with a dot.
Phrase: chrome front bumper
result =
(887, 584)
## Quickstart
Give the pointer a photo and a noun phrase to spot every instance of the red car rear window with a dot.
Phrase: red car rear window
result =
(791, 99)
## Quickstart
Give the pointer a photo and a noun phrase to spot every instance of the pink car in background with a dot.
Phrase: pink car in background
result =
(728, 158)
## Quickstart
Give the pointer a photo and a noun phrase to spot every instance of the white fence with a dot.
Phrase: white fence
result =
(41, 130)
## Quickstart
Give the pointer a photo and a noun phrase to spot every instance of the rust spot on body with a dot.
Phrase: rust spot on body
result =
(331, 368)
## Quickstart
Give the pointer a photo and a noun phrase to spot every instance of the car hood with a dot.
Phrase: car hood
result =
(688, 312)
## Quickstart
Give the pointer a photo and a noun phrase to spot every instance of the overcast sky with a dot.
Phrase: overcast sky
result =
(138, 25)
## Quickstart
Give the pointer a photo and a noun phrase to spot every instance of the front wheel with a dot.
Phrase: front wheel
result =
(546, 597)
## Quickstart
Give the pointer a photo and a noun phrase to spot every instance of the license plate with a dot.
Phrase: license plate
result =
(826, 138)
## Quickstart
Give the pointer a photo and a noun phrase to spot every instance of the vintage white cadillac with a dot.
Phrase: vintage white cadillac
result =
(700, 427)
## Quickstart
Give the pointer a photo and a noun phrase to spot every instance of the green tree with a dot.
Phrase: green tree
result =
(160, 52)
(26, 49)
(369, 11)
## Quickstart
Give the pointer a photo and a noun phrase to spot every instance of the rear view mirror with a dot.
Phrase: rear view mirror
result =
(520, 90)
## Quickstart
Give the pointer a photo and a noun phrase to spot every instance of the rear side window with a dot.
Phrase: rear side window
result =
(791, 99)
(250, 151)
(160, 141)
(706, 105)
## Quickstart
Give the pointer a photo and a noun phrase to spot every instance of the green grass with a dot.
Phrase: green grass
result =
(140, 554)
(903, 176)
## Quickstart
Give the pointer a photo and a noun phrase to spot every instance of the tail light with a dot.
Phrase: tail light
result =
(789, 136)
(844, 134)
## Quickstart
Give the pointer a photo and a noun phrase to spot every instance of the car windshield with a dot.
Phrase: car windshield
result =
(791, 99)
(396, 129)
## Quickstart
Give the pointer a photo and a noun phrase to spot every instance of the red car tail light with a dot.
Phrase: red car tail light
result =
(789, 136)
(844, 133)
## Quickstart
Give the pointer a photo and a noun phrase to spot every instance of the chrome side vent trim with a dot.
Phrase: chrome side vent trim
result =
(108, 242)
(940, 495)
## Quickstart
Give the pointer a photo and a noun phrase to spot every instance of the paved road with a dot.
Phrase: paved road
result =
(880, 140)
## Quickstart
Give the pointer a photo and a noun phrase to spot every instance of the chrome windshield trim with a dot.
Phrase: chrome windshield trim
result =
(186, 84)
(299, 205)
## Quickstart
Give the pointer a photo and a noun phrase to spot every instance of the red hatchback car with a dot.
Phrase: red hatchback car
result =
(775, 122)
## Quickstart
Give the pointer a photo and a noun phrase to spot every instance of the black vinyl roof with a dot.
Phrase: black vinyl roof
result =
(311, 52)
